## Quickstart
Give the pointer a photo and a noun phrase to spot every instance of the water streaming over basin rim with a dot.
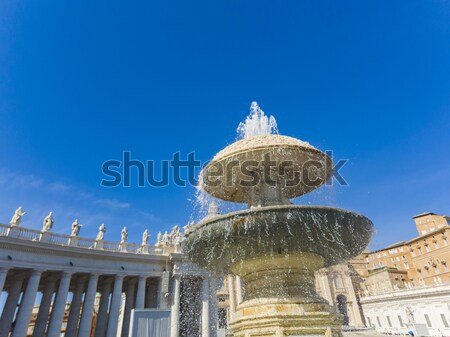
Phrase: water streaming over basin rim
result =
(296, 167)
(335, 234)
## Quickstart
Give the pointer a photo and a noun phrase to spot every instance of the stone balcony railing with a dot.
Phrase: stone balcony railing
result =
(75, 241)
(420, 291)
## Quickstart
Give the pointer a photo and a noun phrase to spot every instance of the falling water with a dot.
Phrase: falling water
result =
(257, 123)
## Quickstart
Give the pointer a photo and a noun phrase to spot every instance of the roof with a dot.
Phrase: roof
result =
(417, 238)
(400, 243)
(423, 214)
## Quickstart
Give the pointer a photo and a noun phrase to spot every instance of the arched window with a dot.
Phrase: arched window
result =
(342, 307)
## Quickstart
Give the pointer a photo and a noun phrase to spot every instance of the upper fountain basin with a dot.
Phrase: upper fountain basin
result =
(335, 234)
(266, 170)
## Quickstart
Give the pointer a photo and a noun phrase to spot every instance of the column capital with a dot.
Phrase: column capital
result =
(119, 277)
(36, 272)
(66, 274)
(142, 278)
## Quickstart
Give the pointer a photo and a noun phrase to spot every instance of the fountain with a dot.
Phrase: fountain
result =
(274, 246)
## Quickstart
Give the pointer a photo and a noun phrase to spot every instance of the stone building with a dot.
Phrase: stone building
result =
(407, 285)
(422, 260)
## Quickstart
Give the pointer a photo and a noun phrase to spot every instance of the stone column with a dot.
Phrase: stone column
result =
(10, 306)
(88, 307)
(102, 317)
(213, 306)
(26, 307)
(44, 309)
(175, 310)
(326, 287)
(54, 328)
(131, 287)
(163, 289)
(232, 294)
(140, 296)
(357, 316)
(239, 298)
(75, 308)
(160, 300)
(115, 307)
(3, 274)
(205, 307)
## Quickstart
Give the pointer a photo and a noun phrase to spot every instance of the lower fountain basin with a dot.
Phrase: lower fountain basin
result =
(335, 234)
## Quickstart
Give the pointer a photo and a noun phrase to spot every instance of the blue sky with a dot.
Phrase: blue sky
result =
(82, 81)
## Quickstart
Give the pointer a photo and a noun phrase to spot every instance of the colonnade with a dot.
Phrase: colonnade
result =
(208, 305)
(55, 315)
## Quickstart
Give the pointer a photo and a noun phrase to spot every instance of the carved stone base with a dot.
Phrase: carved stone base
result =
(280, 299)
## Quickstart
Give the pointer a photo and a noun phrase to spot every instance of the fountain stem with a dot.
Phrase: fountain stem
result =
(288, 277)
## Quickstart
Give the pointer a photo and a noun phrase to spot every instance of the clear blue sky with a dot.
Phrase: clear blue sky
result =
(82, 81)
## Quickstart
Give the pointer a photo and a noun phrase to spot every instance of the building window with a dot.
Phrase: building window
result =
(436, 245)
(400, 321)
(378, 321)
(419, 249)
(338, 281)
(403, 257)
(369, 321)
(445, 266)
(445, 241)
(413, 284)
(428, 321)
(444, 320)
(413, 254)
(427, 248)
(393, 259)
(389, 321)
(406, 265)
